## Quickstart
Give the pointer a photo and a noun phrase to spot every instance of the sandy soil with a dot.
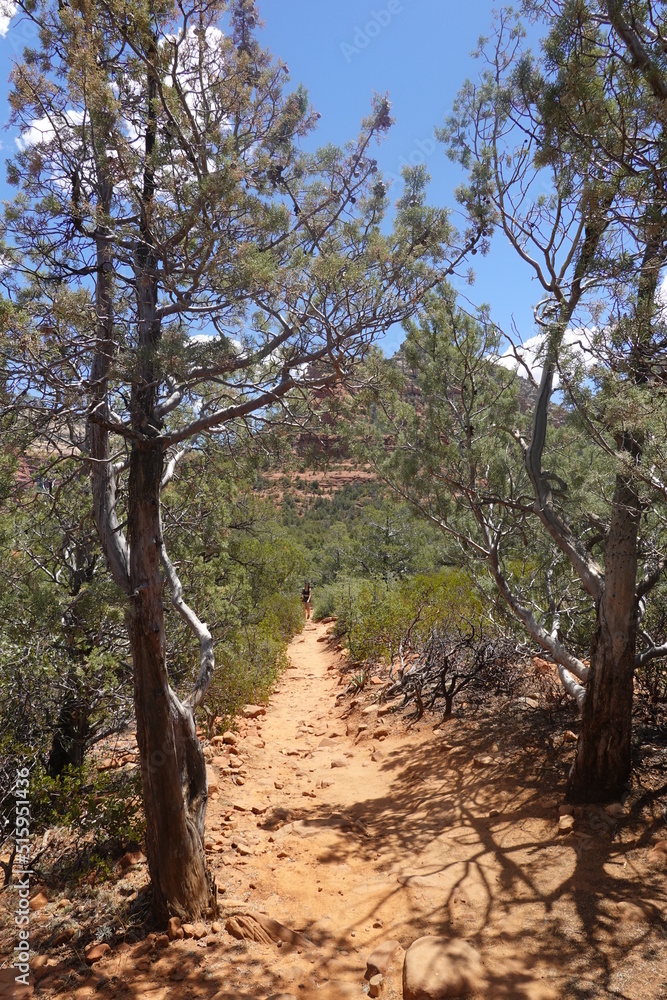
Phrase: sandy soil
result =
(347, 825)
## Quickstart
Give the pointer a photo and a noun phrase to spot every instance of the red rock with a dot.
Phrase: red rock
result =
(212, 780)
(41, 966)
(254, 711)
(144, 946)
(11, 989)
(96, 952)
(65, 935)
(130, 859)
(174, 929)
(482, 761)
(188, 930)
(39, 901)
(199, 931)
(436, 968)
(382, 957)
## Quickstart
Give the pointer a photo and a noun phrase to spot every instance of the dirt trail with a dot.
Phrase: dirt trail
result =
(352, 828)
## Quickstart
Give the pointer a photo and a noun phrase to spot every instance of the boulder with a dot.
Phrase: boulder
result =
(254, 711)
(381, 958)
(39, 901)
(96, 952)
(174, 929)
(144, 946)
(436, 968)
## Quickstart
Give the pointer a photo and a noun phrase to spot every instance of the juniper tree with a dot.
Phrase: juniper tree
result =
(565, 154)
(180, 265)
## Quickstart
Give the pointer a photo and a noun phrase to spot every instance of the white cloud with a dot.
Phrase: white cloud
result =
(41, 131)
(7, 11)
(580, 341)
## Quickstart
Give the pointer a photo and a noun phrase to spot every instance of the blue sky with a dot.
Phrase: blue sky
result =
(419, 51)
(416, 50)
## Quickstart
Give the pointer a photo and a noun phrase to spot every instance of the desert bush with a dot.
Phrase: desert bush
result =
(452, 659)
(102, 808)
(101, 811)
(391, 619)
(251, 659)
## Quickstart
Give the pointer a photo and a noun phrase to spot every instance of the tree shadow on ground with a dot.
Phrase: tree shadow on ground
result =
(580, 907)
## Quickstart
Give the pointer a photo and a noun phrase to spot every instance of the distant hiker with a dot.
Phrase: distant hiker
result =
(306, 596)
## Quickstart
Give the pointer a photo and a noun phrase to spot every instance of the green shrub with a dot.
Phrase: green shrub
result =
(101, 807)
(377, 619)
(251, 659)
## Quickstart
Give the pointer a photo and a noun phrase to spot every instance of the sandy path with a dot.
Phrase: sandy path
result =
(352, 828)
(371, 831)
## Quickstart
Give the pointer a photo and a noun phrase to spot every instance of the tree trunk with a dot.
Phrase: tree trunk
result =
(68, 746)
(173, 769)
(603, 761)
